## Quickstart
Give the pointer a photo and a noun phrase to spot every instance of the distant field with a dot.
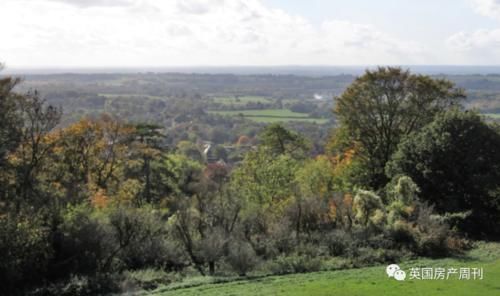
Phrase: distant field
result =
(264, 112)
(240, 101)
(285, 119)
(272, 115)
(370, 281)
(130, 95)
(492, 115)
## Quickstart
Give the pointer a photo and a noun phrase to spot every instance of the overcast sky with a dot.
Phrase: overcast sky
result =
(130, 33)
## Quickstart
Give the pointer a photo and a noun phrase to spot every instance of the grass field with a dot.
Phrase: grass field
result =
(271, 115)
(492, 115)
(240, 101)
(130, 95)
(371, 281)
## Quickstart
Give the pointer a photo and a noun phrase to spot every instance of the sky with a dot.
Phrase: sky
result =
(161, 33)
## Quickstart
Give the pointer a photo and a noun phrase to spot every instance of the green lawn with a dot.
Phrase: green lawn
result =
(370, 281)
(272, 115)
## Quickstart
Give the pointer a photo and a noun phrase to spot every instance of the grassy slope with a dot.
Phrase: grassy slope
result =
(370, 281)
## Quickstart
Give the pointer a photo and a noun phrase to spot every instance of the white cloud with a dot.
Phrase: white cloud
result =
(490, 8)
(186, 32)
(94, 3)
(479, 47)
(480, 39)
(197, 6)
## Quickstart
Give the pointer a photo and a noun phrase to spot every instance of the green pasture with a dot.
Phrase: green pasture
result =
(271, 115)
(370, 281)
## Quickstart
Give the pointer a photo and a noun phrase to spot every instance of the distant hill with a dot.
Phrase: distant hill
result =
(274, 70)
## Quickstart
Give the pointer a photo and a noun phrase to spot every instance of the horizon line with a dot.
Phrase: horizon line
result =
(291, 69)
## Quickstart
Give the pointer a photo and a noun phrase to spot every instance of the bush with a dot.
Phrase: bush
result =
(277, 240)
(368, 256)
(367, 208)
(338, 242)
(341, 243)
(425, 233)
(402, 234)
(211, 248)
(147, 279)
(151, 252)
(25, 251)
(82, 243)
(241, 257)
(141, 238)
(295, 264)
(402, 189)
(78, 285)
(90, 241)
(434, 242)
(431, 233)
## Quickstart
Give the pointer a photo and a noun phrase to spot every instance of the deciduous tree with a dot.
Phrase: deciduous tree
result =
(383, 106)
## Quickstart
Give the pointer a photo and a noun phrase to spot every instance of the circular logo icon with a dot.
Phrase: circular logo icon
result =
(391, 269)
(394, 271)
(400, 275)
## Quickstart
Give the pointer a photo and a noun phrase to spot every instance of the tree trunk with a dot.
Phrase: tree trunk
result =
(211, 267)
(297, 226)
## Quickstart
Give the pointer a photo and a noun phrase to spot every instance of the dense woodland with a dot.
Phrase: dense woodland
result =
(107, 178)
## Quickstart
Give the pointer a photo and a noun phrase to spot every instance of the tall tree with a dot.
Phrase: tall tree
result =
(10, 119)
(381, 107)
(10, 131)
(25, 120)
(35, 147)
(280, 140)
(456, 163)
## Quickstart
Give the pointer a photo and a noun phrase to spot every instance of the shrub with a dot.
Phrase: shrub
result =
(82, 243)
(403, 189)
(279, 240)
(338, 242)
(308, 248)
(431, 233)
(147, 279)
(367, 207)
(295, 264)
(402, 234)
(90, 241)
(241, 257)
(398, 210)
(211, 248)
(80, 285)
(138, 237)
(371, 256)
(142, 238)
(425, 233)
(25, 251)
(150, 252)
